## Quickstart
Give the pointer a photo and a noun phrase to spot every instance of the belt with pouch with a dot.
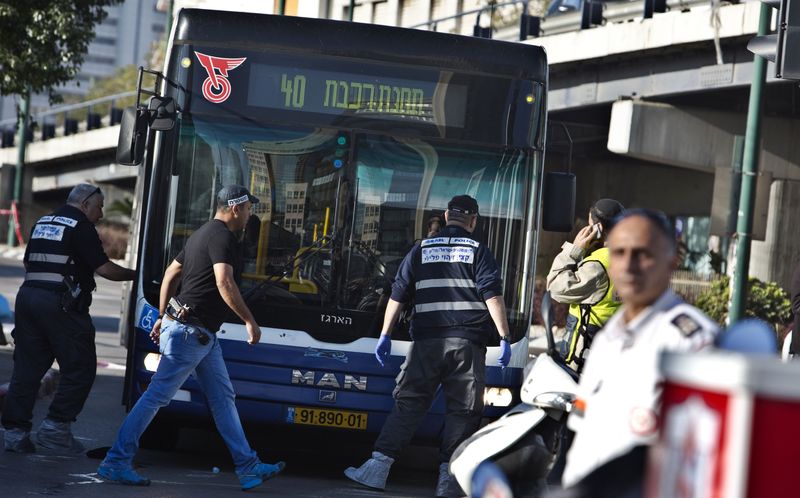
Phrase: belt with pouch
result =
(202, 336)
(190, 317)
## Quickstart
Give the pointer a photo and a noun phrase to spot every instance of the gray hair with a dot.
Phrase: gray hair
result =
(461, 219)
(81, 192)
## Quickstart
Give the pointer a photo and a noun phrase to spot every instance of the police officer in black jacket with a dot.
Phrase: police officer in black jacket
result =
(457, 292)
(52, 321)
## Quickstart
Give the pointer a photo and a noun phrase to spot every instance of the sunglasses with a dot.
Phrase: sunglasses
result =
(95, 191)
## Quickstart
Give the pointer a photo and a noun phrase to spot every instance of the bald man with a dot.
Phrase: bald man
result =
(52, 321)
(619, 393)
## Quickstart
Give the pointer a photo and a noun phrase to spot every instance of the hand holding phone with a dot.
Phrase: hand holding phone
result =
(598, 231)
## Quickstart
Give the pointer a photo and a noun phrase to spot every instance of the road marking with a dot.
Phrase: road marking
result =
(88, 479)
(109, 365)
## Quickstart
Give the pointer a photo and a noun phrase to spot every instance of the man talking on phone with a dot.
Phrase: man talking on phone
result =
(579, 277)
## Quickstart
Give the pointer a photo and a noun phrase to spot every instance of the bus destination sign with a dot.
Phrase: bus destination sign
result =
(327, 92)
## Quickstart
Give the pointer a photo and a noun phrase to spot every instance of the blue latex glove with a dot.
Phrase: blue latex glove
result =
(383, 348)
(505, 354)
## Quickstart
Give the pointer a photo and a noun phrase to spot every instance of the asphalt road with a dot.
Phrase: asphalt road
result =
(315, 460)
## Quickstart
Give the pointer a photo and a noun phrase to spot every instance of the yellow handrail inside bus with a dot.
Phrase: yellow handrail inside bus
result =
(297, 284)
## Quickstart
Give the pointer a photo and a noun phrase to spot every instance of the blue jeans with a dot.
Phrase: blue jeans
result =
(181, 354)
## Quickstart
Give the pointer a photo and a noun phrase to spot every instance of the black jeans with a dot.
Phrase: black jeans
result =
(458, 365)
(44, 332)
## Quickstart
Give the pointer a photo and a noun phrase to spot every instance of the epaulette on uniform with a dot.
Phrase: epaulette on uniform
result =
(686, 324)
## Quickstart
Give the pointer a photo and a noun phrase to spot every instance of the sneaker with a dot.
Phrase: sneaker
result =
(261, 472)
(18, 441)
(128, 476)
(489, 480)
(373, 473)
(58, 436)
(447, 486)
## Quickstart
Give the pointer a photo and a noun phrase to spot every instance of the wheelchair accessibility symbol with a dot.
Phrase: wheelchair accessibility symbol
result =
(148, 318)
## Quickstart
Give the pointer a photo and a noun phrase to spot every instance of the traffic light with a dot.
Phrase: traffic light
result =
(783, 47)
(654, 6)
(480, 31)
(591, 13)
(529, 26)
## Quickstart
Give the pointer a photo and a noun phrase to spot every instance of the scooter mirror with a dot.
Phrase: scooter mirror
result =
(547, 321)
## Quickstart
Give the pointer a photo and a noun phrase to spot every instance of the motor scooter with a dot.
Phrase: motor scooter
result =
(525, 442)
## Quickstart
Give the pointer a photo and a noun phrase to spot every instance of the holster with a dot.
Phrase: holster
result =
(71, 297)
(183, 313)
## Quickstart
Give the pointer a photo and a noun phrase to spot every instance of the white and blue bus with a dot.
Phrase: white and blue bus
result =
(353, 136)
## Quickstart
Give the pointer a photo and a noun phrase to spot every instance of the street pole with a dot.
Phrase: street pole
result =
(22, 135)
(282, 7)
(352, 8)
(744, 225)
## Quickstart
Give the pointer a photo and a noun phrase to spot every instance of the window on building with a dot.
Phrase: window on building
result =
(104, 40)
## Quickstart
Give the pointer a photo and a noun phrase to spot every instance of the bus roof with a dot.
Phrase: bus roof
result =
(361, 41)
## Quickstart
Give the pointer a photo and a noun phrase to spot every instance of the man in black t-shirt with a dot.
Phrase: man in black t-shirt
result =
(52, 321)
(208, 269)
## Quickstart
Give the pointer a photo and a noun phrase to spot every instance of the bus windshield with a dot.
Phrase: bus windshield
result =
(339, 210)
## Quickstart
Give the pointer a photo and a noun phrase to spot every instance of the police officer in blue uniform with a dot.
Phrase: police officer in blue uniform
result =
(52, 321)
(457, 291)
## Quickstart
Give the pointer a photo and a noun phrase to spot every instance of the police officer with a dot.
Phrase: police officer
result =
(52, 321)
(619, 394)
(457, 291)
(579, 277)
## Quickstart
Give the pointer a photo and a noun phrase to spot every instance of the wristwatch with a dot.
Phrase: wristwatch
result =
(505, 338)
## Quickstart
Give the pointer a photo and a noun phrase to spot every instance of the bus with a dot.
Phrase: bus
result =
(353, 136)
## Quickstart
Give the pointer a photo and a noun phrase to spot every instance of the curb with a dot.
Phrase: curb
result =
(17, 253)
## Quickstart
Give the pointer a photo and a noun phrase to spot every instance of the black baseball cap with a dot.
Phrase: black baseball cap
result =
(463, 204)
(233, 195)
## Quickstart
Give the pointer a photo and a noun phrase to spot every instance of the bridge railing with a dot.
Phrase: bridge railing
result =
(504, 20)
(69, 119)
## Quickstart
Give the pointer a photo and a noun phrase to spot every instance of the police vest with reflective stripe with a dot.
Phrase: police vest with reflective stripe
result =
(48, 255)
(446, 294)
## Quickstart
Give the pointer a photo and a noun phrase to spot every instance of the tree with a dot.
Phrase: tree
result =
(124, 78)
(44, 42)
(765, 300)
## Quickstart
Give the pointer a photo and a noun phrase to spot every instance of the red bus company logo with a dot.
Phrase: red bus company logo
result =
(217, 88)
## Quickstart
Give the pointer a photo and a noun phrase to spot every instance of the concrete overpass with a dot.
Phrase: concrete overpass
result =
(654, 108)
(54, 166)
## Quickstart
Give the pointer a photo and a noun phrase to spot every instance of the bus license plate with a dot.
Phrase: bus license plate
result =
(327, 418)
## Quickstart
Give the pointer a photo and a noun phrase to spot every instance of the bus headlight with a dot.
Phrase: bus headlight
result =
(497, 396)
(151, 361)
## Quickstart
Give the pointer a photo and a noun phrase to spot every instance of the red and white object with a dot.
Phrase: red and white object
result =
(730, 428)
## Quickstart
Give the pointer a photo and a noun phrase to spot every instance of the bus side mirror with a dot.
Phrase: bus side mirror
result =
(162, 113)
(132, 136)
(558, 202)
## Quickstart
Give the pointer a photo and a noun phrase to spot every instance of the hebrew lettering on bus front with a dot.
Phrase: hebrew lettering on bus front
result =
(384, 97)
(391, 99)
(356, 104)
